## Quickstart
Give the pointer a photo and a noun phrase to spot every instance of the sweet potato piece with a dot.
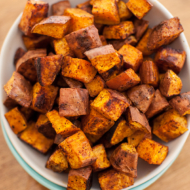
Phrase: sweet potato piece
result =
(27, 112)
(86, 6)
(124, 12)
(9, 103)
(169, 58)
(73, 83)
(59, 7)
(78, 151)
(32, 137)
(149, 73)
(18, 54)
(159, 103)
(59, 81)
(57, 161)
(47, 68)
(103, 40)
(25, 65)
(124, 81)
(16, 120)
(53, 26)
(83, 40)
(120, 31)
(140, 26)
(170, 84)
(141, 96)
(139, 7)
(114, 180)
(152, 152)
(110, 103)
(80, 179)
(19, 89)
(132, 57)
(33, 13)
(78, 69)
(165, 33)
(169, 125)
(43, 97)
(58, 139)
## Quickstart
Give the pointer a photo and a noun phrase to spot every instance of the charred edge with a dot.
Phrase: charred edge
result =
(38, 70)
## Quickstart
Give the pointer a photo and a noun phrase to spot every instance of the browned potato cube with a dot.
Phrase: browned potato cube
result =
(141, 96)
(132, 57)
(16, 120)
(83, 40)
(19, 89)
(165, 33)
(170, 84)
(80, 179)
(33, 13)
(169, 58)
(58, 139)
(73, 83)
(86, 6)
(59, 7)
(103, 40)
(43, 97)
(78, 151)
(169, 125)
(9, 103)
(27, 112)
(57, 161)
(32, 137)
(139, 7)
(110, 103)
(120, 31)
(152, 152)
(140, 27)
(78, 69)
(149, 73)
(124, 12)
(124, 81)
(18, 54)
(114, 180)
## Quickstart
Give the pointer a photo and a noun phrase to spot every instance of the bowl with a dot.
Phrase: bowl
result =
(36, 160)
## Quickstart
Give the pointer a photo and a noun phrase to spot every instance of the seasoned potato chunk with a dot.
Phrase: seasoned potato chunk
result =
(33, 13)
(18, 54)
(124, 12)
(16, 120)
(103, 40)
(86, 6)
(9, 103)
(165, 33)
(139, 7)
(57, 161)
(169, 125)
(78, 151)
(140, 27)
(169, 58)
(59, 7)
(58, 139)
(170, 84)
(19, 89)
(152, 152)
(73, 83)
(61, 125)
(80, 179)
(110, 103)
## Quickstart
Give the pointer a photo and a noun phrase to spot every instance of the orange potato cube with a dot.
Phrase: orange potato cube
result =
(124, 12)
(59, 7)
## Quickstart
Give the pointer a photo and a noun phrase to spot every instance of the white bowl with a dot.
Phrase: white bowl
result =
(36, 160)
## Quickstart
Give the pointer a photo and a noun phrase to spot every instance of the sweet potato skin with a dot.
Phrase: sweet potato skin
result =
(59, 7)
(9, 103)
(86, 6)
(72, 83)
(140, 27)
(18, 54)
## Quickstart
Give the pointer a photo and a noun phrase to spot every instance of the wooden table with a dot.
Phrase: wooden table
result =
(13, 176)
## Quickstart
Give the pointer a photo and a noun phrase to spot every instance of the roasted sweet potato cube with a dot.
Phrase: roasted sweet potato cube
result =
(140, 28)
(124, 12)
(139, 7)
(169, 125)
(165, 33)
(120, 31)
(25, 65)
(27, 112)
(103, 40)
(45, 127)
(32, 137)
(158, 104)
(124, 81)
(43, 97)
(110, 103)
(19, 89)
(80, 179)
(73, 83)
(106, 12)
(47, 68)
(9, 103)
(86, 6)
(61, 125)
(169, 58)
(53, 26)
(59, 7)
(57, 161)
(92, 138)
(78, 69)
(152, 152)
(141, 96)
(16, 120)
(83, 40)
(78, 151)
(149, 73)
(58, 139)
(33, 13)
(170, 84)
(18, 54)
(114, 180)
(132, 57)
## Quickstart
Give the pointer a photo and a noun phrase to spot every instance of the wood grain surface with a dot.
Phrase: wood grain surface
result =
(13, 176)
